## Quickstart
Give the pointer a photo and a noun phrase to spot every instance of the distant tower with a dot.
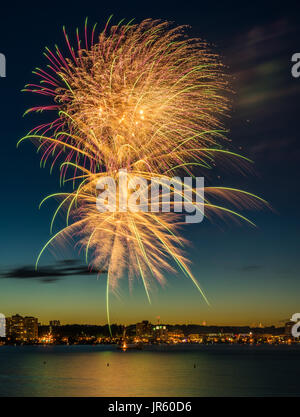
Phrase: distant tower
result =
(54, 323)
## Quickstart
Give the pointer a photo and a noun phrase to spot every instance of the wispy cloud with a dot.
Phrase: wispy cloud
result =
(250, 268)
(50, 273)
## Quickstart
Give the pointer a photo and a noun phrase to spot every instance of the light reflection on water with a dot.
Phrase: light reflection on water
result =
(158, 371)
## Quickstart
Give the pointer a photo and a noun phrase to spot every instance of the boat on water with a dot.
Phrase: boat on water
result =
(130, 346)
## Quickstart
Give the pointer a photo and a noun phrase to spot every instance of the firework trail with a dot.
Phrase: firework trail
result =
(147, 99)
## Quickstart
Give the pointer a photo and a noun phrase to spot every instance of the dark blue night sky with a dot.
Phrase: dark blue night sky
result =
(250, 275)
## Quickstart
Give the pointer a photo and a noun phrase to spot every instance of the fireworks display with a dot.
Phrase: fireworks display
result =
(146, 99)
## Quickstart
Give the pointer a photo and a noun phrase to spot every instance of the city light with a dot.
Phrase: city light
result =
(27, 330)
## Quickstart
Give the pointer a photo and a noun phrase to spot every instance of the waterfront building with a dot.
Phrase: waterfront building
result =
(144, 329)
(160, 332)
(54, 323)
(31, 327)
(22, 328)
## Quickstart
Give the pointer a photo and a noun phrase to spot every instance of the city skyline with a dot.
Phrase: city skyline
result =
(156, 320)
(28, 330)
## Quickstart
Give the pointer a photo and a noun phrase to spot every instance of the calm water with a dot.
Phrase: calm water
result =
(160, 371)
